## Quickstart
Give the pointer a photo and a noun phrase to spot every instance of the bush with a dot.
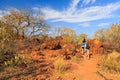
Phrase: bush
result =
(14, 61)
(61, 65)
(111, 61)
(7, 51)
(110, 35)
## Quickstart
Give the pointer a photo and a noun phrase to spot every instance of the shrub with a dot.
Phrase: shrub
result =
(110, 35)
(14, 61)
(61, 65)
(7, 51)
(111, 61)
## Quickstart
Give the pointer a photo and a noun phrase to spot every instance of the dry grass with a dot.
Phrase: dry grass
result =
(61, 65)
(111, 61)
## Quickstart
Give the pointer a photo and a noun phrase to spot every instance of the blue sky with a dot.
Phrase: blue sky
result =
(84, 16)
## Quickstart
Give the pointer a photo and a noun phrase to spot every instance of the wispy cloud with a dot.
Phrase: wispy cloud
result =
(73, 14)
(88, 1)
(73, 6)
(103, 24)
(84, 24)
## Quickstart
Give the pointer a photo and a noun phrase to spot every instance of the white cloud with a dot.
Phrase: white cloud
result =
(36, 8)
(84, 25)
(51, 13)
(73, 14)
(103, 24)
(88, 1)
(73, 6)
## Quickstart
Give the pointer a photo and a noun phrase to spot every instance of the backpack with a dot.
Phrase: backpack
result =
(87, 46)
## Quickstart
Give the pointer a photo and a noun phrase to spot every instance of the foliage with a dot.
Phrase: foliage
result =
(111, 61)
(7, 49)
(14, 61)
(16, 26)
(111, 35)
(61, 65)
(69, 35)
(23, 22)
(100, 34)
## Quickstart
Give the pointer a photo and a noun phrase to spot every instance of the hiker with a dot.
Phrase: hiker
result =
(83, 45)
(87, 50)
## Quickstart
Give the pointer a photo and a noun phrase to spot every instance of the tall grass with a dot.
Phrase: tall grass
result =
(111, 61)
(61, 65)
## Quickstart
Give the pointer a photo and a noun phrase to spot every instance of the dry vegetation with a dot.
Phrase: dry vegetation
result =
(61, 65)
(111, 61)
(110, 37)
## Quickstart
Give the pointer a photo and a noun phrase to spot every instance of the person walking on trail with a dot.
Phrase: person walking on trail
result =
(88, 50)
(83, 46)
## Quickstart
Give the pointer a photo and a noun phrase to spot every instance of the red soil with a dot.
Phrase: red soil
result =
(86, 70)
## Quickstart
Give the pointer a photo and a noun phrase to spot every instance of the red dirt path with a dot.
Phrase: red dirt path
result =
(86, 70)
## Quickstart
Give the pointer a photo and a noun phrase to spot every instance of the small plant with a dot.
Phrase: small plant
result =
(14, 61)
(61, 65)
(111, 61)
(8, 63)
(18, 60)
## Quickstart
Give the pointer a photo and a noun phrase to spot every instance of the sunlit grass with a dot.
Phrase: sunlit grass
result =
(61, 65)
(111, 61)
